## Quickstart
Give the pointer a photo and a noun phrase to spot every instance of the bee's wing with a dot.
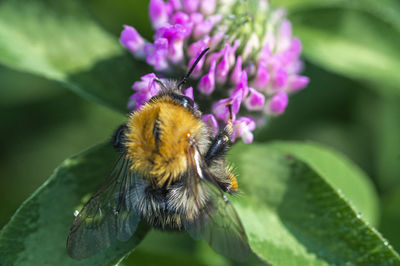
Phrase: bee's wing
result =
(221, 226)
(107, 216)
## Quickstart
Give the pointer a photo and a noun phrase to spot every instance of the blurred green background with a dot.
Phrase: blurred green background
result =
(42, 122)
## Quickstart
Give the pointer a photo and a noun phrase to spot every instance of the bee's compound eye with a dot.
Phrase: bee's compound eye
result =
(185, 101)
(188, 101)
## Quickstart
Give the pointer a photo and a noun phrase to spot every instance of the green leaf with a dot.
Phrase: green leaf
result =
(340, 173)
(294, 216)
(37, 233)
(60, 41)
(391, 217)
(358, 39)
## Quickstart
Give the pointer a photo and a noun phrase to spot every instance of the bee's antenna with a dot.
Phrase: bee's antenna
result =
(192, 68)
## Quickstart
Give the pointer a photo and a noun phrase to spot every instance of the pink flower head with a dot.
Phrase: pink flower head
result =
(252, 65)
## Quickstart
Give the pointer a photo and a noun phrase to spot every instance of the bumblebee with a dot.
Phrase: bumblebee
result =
(171, 174)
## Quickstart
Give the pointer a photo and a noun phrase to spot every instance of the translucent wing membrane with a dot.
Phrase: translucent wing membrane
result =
(108, 216)
(221, 227)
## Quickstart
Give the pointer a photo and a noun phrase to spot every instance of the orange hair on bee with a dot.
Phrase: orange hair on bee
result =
(234, 182)
(157, 139)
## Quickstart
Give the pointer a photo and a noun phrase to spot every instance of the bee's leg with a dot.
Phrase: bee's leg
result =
(216, 155)
(117, 139)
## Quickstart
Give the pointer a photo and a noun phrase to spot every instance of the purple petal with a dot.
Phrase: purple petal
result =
(189, 93)
(211, 123)
(171, 32)
(191, 6)
(158, 13)
(265, 54)
(237, 71)
(262, 76)
(197, 47)
(214, 56)
(216, 39)
(196, 18)
(132, 40)
(255, 100)
(277, 104)
(204, 27)
(207, 7)
(223, 66)
(220, 110)
(292, 53)
(295, 47)
(175, 4)
(295, 67)
(158, 57)
(297, 83)
(180, 18)
(280, 78)
(155, 88)
(243, 127)
(285, 30)
(138, 99)
(145, 83)
(243, 85)
(207, 82)
(236, 100)
(175, 51)
(284, 36)
(232, 52)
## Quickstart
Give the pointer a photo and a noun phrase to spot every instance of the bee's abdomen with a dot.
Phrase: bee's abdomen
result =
(173, 208)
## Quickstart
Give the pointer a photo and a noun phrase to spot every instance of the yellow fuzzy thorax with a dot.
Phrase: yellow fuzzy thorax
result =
(165, 160)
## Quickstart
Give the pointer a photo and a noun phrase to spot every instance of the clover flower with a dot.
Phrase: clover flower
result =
(253, 63)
